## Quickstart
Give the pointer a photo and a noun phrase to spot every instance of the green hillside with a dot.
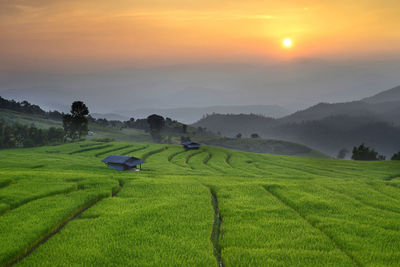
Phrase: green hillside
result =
(137, 135)
(61, 206)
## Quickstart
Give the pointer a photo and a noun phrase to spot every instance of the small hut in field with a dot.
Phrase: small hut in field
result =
(189, 145)
(123, 163)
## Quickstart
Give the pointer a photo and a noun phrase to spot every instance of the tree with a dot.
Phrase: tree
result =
(342, 153)
(254, 135)
(238, 136)
(76, 122)
(396, 156)
(156, 123)
(363, 152)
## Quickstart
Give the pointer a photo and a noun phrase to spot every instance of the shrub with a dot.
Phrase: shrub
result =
(396, 156)
(363, 152)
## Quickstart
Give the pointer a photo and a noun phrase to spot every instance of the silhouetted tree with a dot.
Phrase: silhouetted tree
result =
(239, 135)
(184, 128)
(342, 153)
(396, 156)
(363, 152)
(76, 122)
(254, 135)
(156, 123)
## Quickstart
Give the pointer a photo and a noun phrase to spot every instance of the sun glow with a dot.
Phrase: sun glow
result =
(287, 42)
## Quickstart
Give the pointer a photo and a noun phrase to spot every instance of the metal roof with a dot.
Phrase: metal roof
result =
(129, 161)
(186, 143)
(192, 144)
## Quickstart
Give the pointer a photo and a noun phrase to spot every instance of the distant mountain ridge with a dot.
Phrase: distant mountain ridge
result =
(193, 114)
(391, 95)
(327, 127)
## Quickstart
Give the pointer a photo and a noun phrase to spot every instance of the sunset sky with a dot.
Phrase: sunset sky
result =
(60, 34)
(55, 31)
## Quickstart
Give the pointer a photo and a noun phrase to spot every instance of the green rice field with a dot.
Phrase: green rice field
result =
(61, 206)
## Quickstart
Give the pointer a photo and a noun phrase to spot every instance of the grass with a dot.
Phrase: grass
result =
(61, 205)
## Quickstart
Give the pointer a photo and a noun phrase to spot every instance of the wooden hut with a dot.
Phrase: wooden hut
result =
(123, 163)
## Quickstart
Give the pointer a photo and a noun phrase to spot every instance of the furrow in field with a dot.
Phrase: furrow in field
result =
(89, 149)
(33, 198)
(379, 190)
(228, 159)
(173, 155)
(216, 230)
(287, 167)
(193, 160)
(73, 216)
(134, 150)
(90, 145)
(191, 156)
(112, 150)
(207, 162)
(243, 165)
(150, 153)
(207, 159)
(363, 201)
(321, 230)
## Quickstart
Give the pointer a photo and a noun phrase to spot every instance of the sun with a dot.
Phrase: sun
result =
(287, 42)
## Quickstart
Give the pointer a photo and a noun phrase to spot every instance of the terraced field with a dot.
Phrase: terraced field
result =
(61, 206)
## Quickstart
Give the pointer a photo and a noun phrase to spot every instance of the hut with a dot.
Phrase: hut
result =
(123, 163)
(189, 145)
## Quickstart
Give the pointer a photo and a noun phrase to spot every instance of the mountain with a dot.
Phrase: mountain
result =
(192, 114)
(385, 111)
(391, 95)
(326, 127)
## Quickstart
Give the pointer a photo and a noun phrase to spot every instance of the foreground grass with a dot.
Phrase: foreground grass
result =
(61, 206)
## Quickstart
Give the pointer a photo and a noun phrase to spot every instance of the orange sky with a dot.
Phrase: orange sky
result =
(173, 31)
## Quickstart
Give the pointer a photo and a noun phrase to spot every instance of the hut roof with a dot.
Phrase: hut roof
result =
(190, 144)
(126, 160)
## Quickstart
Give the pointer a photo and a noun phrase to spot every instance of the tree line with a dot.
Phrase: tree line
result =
(17, 135)
(363, 152)
(73, 128)
(26, 107)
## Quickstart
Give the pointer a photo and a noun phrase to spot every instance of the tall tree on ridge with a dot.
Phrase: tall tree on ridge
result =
(77, 121)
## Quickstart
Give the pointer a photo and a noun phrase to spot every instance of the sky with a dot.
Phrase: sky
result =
(169, 53)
